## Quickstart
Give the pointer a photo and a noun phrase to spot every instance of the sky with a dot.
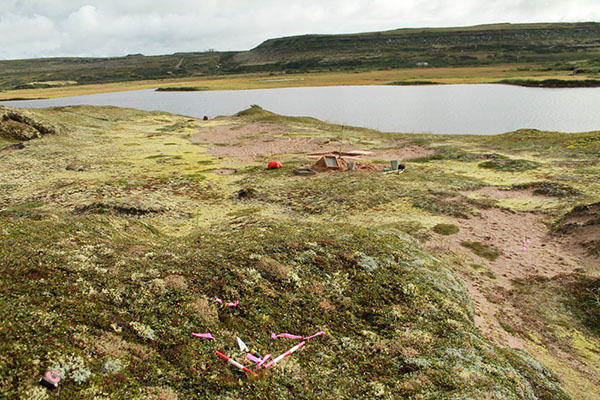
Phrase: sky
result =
(85, 28)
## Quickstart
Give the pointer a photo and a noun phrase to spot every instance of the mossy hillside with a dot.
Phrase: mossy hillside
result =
(19, 126)
(149, 195)
(562, 313)
(111, 158)
(158, 150)
(102, 290)
(531, 140)
(310, 126)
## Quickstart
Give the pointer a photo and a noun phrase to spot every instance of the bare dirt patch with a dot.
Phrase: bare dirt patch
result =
(252, 141)
(223, 171)
(495, 193)
(526, 248)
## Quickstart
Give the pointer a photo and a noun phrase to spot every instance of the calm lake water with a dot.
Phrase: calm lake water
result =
(445, 109)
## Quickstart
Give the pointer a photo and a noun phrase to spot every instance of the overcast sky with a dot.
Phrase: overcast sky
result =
(51, 28)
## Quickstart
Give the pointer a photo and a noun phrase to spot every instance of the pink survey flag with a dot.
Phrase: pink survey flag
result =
(290, 336)
(203, 335)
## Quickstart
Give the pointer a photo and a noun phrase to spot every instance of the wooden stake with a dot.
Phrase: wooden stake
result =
(341, 142)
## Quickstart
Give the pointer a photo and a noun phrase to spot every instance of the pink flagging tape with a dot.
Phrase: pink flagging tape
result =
(254, 359)
(284, 355)
(287, 335)
(259, 361)
(228, 304)
(315, 335)
(265, 358)
(235, 363)
(203, 335)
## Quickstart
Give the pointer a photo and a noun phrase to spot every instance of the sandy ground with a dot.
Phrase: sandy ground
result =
(253, 141)
(527, 249)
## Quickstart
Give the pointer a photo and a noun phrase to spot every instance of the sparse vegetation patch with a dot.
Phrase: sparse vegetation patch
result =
(182, 88)
(510, 165)
(483, 250)
(548, 188)
(446, 229)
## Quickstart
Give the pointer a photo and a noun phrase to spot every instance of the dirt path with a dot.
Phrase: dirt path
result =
(179, 63)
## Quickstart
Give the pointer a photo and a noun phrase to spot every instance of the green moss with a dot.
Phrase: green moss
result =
(538, 374)
(379, 285)
(585, 295)
(548, 143)
(446, 229)
(244, 212)
(155, 156)
(446, 153)
(548, 188)
(483, 250)
(510, 165)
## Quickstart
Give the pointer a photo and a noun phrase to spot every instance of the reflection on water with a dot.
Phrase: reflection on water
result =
(468, 109)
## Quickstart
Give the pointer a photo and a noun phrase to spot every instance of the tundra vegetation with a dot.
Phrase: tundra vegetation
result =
(119, 228)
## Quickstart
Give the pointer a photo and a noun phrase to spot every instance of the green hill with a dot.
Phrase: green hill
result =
(485, 44)
(556, 46)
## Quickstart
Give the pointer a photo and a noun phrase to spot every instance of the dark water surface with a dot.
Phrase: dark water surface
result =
(468, 109)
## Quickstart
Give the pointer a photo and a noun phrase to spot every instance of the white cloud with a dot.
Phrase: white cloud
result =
(27, 36)
(31, 28)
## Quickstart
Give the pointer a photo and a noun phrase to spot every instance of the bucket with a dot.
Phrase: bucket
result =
(394, 164)
(350, 165)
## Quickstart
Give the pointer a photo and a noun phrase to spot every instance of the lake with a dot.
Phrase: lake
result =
(444, 109)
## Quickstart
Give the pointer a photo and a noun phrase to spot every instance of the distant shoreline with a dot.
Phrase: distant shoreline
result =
(553, 83)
